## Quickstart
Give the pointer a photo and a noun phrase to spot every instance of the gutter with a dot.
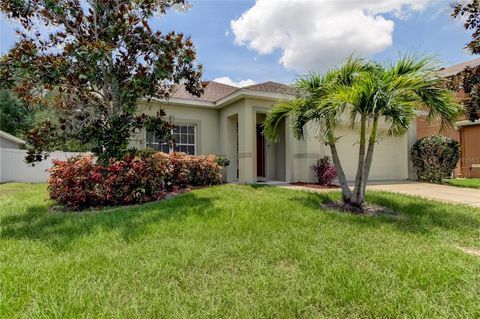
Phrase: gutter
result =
(232, 97)
(11, 138)
(466, 123)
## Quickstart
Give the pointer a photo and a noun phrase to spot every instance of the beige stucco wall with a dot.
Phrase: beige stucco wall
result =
(244, 112)
(288, 159)
(390, 160)
(229, 117)
(206, 121)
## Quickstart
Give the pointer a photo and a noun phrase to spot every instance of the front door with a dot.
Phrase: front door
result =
(260, 152)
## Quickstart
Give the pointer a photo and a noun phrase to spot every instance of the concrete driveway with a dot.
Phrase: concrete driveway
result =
(444, 193)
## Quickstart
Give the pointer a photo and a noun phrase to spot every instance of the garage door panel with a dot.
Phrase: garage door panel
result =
(387, 161)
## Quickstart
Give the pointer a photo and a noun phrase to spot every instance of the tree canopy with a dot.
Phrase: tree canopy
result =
(470, 11)
(364, 93)
(469, 79)
(94, 60)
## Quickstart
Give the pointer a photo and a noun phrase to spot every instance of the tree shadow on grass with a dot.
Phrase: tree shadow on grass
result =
(411, 214)
(61, 229)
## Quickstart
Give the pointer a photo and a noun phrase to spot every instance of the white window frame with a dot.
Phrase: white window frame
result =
(154, 143)
(178, 140)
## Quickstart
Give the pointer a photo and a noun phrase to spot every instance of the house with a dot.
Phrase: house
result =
(464, 131)
(227, 120)
(10, 141)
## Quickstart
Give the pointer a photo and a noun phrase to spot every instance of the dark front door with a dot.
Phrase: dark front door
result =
(260, 152)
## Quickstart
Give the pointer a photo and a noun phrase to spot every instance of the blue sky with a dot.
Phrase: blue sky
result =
(264, 36)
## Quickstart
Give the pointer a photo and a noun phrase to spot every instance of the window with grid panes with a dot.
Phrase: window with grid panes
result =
(184, 136)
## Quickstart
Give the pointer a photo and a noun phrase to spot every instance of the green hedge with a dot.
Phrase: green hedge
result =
(435, 157)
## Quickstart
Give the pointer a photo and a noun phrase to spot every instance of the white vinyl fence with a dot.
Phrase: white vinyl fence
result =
(14, 169)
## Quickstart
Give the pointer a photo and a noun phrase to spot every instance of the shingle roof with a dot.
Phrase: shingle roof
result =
(273, 87)
(215, 91)
(457, 68)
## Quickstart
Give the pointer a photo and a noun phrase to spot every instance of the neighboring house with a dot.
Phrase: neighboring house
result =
(466, 132)
(10, 141)
(227, 120)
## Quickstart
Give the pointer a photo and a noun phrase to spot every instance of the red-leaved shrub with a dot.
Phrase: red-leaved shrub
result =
(79, 182)
(71, 182)
(325, 171)
(201, 170)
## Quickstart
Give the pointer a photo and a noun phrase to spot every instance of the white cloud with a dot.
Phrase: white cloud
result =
(182, 8)
(314, 35)
(228, 81)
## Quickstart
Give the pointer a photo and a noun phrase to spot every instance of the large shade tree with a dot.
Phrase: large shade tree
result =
(469, 79)
(92, 61)
(469, 10)
(363, 94)
(15, 117)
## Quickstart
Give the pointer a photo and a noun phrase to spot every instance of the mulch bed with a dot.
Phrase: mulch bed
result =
(339, 206)
(315, 185)
(366, 209)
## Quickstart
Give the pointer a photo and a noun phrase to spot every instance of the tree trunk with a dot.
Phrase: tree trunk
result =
(369, 158)
(357, 198)
(346, 192)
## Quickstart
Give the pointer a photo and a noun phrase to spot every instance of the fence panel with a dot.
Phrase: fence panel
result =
(14, 169)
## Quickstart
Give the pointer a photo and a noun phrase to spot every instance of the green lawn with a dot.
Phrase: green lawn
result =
(237, 252)
(465, 182)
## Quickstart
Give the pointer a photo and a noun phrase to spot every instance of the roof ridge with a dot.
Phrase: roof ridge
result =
(232, 86)
(266, 83)
(459, 67)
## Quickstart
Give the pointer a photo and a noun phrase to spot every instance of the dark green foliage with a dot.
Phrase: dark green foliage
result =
(223, 161)
(469, 81)
(15, 117)
(471, 86)
(99, 59)
(435, 157)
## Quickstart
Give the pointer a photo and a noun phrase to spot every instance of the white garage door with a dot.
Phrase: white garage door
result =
(389, 159)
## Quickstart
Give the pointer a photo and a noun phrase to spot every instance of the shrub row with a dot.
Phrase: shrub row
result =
(79, 182)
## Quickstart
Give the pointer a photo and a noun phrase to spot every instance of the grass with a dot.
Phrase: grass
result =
(465, 182)
(237, 252)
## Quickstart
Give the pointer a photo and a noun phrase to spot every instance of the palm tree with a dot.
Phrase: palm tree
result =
(367, 93)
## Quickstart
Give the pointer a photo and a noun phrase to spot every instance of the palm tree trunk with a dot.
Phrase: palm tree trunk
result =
(369, 158)
(346, 192)
(357, 199)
